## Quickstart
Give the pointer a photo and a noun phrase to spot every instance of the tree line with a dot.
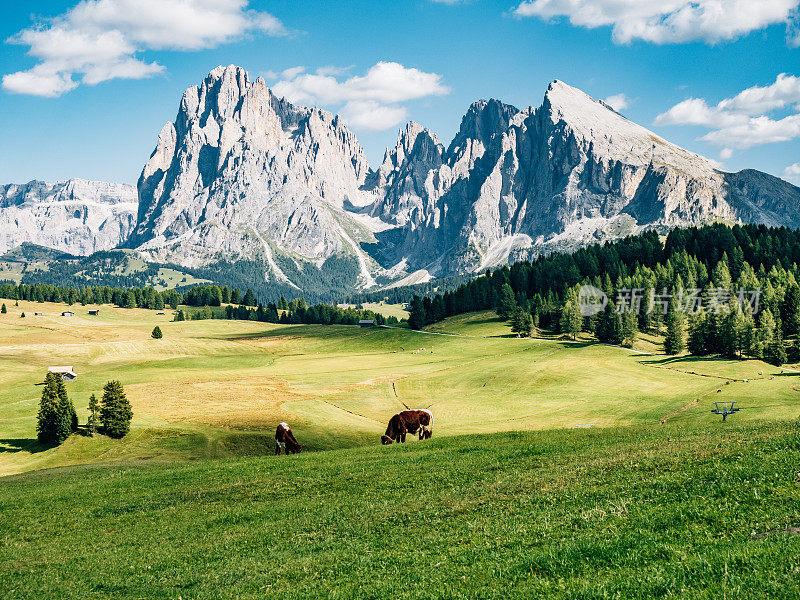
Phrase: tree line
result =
(714, 257)
(148, 297)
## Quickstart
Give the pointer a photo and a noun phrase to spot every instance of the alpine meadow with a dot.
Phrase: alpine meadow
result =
(432, 299)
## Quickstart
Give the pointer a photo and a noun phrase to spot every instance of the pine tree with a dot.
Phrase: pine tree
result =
(609, 326)
(115, 412)
(22, 316)
(571, 320)
(521, 322)
(417, 316)
(94, 414)
(282, 305)
(129, 300)
(674, 341)
(65, 404)
(180, 316)
(157, 335)
(54, 420)
(506, 302)
(776, 352)
(628, 329)
(3, 309)
(790, 311)
(249, 298)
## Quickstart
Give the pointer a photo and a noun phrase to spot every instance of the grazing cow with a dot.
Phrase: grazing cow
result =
(284, 440)
(409, 421)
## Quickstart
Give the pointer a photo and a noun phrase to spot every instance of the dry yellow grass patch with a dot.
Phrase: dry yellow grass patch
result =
(245, 402)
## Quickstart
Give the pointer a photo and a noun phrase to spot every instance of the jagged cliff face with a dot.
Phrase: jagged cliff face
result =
(514, 184)
(75, 216)
(243, 173)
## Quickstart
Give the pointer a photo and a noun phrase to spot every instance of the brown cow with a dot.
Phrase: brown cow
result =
(284, 440)
(409, 421)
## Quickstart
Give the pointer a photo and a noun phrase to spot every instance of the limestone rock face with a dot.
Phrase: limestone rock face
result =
(241, 173)
(514, 184)
(75, 216)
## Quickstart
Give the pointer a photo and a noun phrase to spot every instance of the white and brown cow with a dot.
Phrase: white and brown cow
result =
(418, 420)
(284, 440)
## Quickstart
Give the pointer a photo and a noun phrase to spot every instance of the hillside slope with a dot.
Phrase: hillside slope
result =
(646, 513)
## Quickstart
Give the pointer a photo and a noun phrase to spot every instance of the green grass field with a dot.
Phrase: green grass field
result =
(558, 468)
(217, 388)
(645, 512)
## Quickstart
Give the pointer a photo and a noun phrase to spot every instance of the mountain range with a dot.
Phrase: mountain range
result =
(242, 175)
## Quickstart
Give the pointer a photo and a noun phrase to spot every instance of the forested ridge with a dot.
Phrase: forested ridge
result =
(544, 293)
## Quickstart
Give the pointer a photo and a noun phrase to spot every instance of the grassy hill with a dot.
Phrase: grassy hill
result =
(558, 468)
(218, 388)
(639, 512)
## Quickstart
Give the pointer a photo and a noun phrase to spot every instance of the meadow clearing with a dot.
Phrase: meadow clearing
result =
(558, 468)
(216, 388)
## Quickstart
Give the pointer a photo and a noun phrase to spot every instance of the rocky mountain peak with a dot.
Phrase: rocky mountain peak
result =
(242, 174)
(484, 120)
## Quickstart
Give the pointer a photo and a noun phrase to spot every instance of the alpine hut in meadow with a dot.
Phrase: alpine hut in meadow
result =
(67, 373)
(366, 323)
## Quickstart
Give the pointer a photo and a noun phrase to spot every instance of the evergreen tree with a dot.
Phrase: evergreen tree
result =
(65, 404)
(129, 299)
(571, 319)
(776, 351)
(3, 309)
(180, 316)
(115, 412)
(249, 298)
(506, 302)
(157, 335)
(674, 341)
(22, 316)
(282, 304)
(50, 423)
(94, 414)
(416, 317)
(790, 311)
(628, 328)
(55, 421)
(521, 322)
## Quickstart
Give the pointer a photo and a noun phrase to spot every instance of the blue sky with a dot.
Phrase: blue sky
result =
(86, 94)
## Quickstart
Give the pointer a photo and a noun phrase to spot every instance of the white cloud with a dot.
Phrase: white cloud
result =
(744, 120)
(618, 102)
(98, 40)
(371, 101)
(792, 173)
(667, 21)
(368, 115)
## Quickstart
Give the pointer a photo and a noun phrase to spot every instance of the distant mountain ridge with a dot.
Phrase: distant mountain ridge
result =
(74, 216)
(242, 175)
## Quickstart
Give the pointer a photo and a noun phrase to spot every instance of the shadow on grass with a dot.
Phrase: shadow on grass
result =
(24, 445)
(573, 343)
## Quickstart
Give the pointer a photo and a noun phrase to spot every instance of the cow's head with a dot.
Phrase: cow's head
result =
(385, 439)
